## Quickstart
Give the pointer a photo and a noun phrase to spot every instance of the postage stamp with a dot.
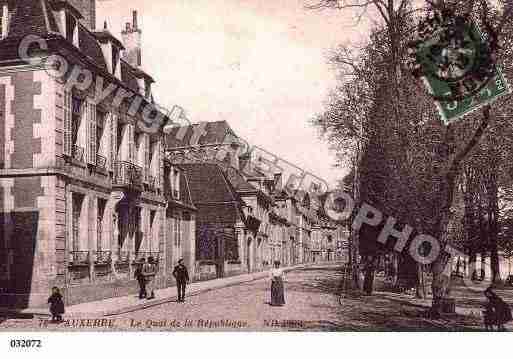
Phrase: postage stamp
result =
(254, 166)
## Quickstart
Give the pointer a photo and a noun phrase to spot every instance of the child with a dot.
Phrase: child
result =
(497, 311)
(56, 305)
(489, 317)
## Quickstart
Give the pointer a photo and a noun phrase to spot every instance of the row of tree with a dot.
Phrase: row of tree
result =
(453, 182)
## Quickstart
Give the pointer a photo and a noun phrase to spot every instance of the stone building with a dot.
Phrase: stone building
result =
(270, 221)
(84, 189)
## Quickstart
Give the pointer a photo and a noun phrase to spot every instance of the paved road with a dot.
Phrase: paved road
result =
(312, 305)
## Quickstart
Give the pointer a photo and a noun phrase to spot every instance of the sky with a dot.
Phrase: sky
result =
(260, 65)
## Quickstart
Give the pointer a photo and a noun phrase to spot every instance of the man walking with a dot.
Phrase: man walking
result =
(182, 278)
(140, 279)
(149, 270)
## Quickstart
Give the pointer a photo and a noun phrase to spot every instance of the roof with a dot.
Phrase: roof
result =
(208, 184)
(90, 47)
(238, 182)
(35, 17)
(213, 132)
(212, 194)
(32, 17)
(128, 76)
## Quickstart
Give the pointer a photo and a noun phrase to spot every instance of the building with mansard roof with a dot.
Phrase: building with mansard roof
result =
(85, 192)
(268, 220)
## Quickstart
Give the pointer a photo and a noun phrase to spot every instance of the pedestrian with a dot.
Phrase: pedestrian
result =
(182, 278)
(140, 279)
(56, 305)
(149, 270)
(277, 289)
(497, 311)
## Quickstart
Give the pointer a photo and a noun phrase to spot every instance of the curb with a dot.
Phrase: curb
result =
(191, 293)
(43, 312)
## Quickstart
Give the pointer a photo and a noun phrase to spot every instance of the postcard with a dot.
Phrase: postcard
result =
(254, 166)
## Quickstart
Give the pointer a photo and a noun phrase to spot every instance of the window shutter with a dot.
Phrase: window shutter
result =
(131, 144)
(113, 140)
(157, 163)
(91, 121)
(147, 158)
(67, 130)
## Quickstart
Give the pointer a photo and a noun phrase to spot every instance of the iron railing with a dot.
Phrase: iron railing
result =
(101, 161)
(102, 257)
(78, 153)
(127, 174)
(123, 257)
(151, 182)
(146, 254)
(79, 257)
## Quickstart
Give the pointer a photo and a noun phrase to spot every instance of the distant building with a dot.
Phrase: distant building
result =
(270, 222)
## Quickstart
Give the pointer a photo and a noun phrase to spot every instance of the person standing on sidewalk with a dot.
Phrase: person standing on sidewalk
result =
(56, 305)
(140, 279)
(182, 278)
(277, 288)
(497, 311)
(149, 270)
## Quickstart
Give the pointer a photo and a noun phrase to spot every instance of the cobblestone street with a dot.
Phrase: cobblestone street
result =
(312, 305)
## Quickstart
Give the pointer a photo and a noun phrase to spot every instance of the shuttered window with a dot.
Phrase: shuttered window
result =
(67, 122)
(91, 135)
(147, 159)
(113, 140)
(4, 21)
(157, 163)
(131, 143)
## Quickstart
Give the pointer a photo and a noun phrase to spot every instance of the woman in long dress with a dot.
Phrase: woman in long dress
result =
(277, 290)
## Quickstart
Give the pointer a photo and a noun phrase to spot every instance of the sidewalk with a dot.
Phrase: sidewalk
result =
(114, 306)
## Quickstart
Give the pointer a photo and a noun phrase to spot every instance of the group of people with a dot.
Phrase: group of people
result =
(497, 312)
(145, 276)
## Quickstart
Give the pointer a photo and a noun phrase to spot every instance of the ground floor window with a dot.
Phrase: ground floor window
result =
(100, 226)
(231, 248)
(205, 242)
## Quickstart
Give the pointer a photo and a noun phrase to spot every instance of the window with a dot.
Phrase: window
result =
(131, 143)
(101, 124)
(92, 124)
(177, 229)
(151, 231)
(176, 184)
(100, 224)
(77, 200)
(4, 21)
(71, 29)
(115, 59)
(76, 119)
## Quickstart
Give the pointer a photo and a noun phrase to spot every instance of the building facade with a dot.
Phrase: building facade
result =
(85, 194)
(89, 188)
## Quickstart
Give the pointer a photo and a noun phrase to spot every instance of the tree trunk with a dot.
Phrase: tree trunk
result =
(395, 270)
(482, 275)
(368, 282)
(440, 285)
(421, 287)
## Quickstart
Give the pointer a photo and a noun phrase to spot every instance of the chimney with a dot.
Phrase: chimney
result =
(134, 19)
(131, 37)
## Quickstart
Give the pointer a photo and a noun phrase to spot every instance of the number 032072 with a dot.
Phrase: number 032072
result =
(25, 343)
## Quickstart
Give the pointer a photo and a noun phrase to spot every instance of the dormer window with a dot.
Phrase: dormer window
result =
(4, 21)
(175, 184)
(72, 29)
(115, 59)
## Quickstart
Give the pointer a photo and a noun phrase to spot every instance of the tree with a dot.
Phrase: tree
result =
(392, 104)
